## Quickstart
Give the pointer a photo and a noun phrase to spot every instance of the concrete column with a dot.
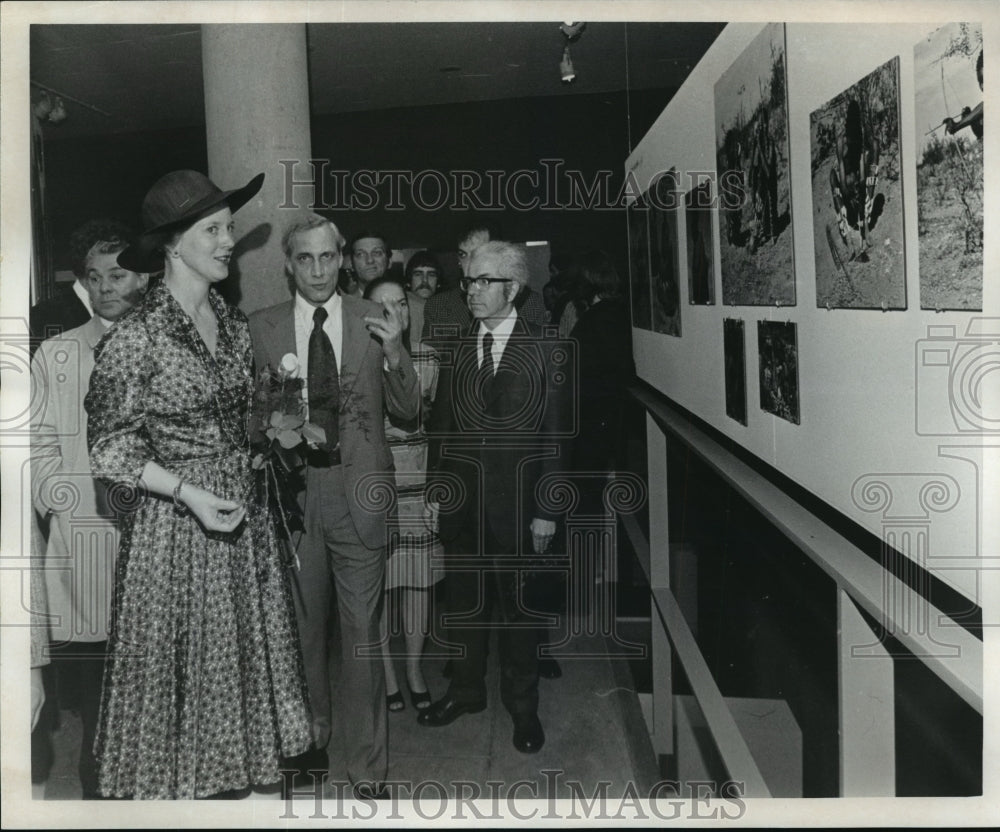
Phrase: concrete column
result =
(256, 115)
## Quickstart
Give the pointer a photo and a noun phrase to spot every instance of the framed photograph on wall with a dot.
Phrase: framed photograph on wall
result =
(638, 265)
(734, 353)
(857, 191)
(754, 181)
(664, 257)
(700, 246)
(948, 79)
(779, 369)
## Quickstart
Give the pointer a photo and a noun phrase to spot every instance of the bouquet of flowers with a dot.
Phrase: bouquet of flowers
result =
(280, 437)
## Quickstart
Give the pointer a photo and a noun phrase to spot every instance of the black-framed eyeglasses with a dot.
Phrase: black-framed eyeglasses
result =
(481, 282)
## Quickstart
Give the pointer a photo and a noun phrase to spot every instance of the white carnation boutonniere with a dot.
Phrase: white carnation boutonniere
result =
(289, 366)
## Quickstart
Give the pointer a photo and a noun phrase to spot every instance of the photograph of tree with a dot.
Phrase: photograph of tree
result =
(751, 151)
(779, 369)
(664, 260)
(734, 352)
(948, 78)
(638, 266)
(700, 248)
(858, 195)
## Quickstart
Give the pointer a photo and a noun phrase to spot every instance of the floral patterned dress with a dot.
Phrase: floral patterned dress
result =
(203, 687)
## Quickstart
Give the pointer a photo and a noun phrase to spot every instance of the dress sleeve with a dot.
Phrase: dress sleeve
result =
(117, 435)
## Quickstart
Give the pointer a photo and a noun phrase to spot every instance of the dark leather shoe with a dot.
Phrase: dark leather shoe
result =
(447, 710)
(548, 668)
(528, 734)
(314, 760)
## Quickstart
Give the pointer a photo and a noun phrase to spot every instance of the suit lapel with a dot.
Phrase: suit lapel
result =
(508, 370)
(284, 331)
(356, 342)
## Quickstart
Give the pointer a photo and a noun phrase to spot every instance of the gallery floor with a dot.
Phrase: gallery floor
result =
(591, 715)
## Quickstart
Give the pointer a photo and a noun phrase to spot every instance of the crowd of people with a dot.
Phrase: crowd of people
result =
(195, 651)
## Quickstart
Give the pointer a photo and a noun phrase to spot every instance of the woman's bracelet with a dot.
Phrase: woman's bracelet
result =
(179, 507)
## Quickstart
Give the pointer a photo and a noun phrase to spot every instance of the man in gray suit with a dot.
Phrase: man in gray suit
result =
(349, 351)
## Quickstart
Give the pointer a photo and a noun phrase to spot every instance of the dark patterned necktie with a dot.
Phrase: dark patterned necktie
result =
(488, 354)
(324, 382)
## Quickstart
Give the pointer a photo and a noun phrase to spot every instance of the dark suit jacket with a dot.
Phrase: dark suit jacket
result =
(492, 442)
(366, 390)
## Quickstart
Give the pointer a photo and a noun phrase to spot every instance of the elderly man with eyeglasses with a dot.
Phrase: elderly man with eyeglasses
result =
(497, 431)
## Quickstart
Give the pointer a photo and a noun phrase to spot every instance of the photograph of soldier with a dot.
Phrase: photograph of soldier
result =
(948, 76)
(751, 148)
(777, 346)
(858, 196)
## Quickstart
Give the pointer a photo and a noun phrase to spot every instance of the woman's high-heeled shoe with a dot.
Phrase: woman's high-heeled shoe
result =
(395, 701)
(421, 701)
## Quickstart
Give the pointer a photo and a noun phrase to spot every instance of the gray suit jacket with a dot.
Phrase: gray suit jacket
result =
(83, 536)
(367, 390)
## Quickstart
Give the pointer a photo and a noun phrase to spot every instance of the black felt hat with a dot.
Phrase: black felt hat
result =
(177, 199)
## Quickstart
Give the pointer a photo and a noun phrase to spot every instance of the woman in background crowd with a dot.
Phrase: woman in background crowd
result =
(413, 545)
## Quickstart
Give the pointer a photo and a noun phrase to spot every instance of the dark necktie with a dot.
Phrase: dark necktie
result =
(324, 382)
(488, 354)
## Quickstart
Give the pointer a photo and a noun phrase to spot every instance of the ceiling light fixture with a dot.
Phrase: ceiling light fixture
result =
(571, 32)
(566, 71)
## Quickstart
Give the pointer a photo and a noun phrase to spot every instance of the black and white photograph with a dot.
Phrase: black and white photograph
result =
(857, 181)
(664, 260)
(948, 74)
(734, 355)
(778, 362)
(640, 286)
(348, 479)
(700, 245)
(751, 149)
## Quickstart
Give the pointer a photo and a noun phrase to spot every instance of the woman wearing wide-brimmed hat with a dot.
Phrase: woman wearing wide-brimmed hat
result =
(203, 690)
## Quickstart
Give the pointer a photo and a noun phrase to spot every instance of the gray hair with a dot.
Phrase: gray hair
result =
(510, 260)
(307, 222)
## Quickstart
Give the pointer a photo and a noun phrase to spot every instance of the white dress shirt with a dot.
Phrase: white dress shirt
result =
(501, 335)
(333, 326)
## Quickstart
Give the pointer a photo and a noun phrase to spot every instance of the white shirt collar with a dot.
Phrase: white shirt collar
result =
(501, 334)
(83, 295)
(503, 330)
(307, 310)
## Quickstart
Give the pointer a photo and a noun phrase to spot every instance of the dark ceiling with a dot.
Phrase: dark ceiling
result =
(130, 78)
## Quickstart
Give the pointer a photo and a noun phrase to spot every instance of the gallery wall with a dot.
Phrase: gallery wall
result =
(863, 373)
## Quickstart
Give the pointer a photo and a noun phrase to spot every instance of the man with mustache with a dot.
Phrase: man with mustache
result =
(421, 282)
